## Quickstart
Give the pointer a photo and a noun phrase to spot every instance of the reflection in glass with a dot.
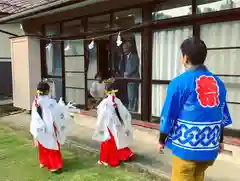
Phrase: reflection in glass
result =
(127, 18)
(98, 23)
(172, 8)
(54, 59)
(72, 28)
(52, 30)
(74, 47)
(53, 51)
(126, 64)
(58, 87)
(206, 6)
(92, 68)
(92, 63)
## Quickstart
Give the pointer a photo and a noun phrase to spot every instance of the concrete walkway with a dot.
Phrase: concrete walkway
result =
(5, 100)
(225, 168)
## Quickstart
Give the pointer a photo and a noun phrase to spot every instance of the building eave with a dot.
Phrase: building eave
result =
(39, 10)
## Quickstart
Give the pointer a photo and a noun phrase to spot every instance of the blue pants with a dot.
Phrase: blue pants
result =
(132, 97)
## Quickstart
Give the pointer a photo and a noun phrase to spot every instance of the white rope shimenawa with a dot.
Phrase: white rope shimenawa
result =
(91, 45)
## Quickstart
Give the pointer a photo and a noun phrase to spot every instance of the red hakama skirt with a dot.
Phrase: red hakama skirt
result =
(50, 159)
(110, 155)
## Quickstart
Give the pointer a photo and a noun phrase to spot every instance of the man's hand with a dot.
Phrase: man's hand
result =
(125, 74)
(221, 147)
(160, 148)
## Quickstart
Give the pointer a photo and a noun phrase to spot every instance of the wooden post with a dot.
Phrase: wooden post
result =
(146, 105)
(85, 26)
(63, 65)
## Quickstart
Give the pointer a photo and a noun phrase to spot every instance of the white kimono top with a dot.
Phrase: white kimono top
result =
(53, 114)
(107, 120)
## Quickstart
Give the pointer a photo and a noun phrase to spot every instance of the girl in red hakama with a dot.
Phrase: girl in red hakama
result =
(50, 159)
(44, 130)
(114, 131)
(110, 155)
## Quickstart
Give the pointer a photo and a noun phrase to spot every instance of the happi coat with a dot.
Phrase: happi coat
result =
(194, 115)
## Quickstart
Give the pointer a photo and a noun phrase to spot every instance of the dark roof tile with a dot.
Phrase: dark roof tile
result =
(16, 6)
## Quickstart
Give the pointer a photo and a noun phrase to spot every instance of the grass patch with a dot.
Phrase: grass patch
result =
(19, 162)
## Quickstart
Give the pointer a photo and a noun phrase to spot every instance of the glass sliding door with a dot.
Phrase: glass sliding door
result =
(74, 72)
(222, 40)
(126, 60)
(74, 63)
(208, 6)
(53, 64)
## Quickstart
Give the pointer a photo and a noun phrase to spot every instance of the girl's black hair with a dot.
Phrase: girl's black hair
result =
(43, 87)
(111, 87)
(118, 115)
(39, 110)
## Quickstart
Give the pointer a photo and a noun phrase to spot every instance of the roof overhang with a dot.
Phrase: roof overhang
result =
(47, 9)
(77, 8)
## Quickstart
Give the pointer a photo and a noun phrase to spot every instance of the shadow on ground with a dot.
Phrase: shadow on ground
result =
(151, 162)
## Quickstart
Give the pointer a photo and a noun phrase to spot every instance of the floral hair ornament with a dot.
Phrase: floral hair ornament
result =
(39, 92)
(109, 81)
(111, 91)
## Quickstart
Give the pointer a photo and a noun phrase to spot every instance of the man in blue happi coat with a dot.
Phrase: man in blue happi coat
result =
(194, 115)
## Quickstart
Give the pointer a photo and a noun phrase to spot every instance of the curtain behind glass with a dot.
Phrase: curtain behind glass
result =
(225, 61)
(166, 61)
(138, 40)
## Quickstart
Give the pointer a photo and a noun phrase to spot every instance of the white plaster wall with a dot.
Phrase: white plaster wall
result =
(26, 70)
(5, 45)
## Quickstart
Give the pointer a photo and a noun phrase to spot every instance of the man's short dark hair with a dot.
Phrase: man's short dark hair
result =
(195, 49)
